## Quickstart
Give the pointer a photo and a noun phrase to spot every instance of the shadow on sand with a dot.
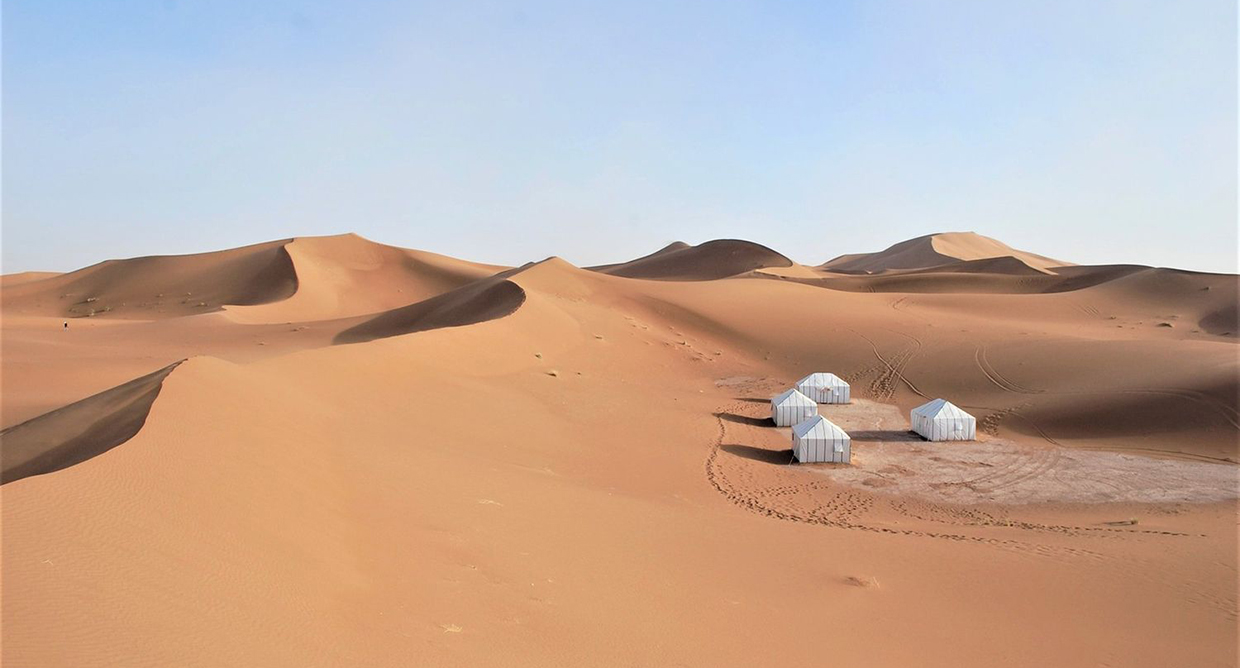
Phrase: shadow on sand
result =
(744, 419)
(886, 435)
(780, 457)
(754, 400)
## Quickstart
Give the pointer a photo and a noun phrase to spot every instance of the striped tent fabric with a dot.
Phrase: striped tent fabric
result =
(825, 388)
(821, 440)
(792, 407)
(941, 420)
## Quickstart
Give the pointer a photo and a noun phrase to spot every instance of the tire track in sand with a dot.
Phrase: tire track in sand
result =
(845, 509)
(891, 373)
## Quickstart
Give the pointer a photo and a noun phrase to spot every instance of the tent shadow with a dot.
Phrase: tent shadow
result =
(744, 419)
(886, 435)
(779, 457)
(754, 400)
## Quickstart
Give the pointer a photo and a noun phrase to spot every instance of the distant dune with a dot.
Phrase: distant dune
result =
(937, 250)
(11, 280)
(485, 299)
(162, 286)
(307, 278)
(551, 465)
(707, 261)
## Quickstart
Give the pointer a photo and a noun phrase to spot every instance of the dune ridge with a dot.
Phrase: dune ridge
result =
(711, 260)
(936, 250)
(486, 299)
(162, 285)
(297, 279)
(79, 431)
(502, 465)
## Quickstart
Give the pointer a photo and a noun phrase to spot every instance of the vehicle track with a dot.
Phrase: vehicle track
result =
(996, 378)
(891, 373)
(844, 509)
(1229, 413)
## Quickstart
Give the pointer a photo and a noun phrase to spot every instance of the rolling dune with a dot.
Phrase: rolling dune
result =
(551, 465)
(161, 286)
(81, 430)
(486, 299)
(936, 250)
(307, 278)
(707, 261)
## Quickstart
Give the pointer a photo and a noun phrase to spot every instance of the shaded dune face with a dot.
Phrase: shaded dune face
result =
(1207, 301)
(1224, 321)
(508, 492)
(711, 260)
(938, 250)
(484, 300)
(79, 431)
(162, 286)
(301, 279)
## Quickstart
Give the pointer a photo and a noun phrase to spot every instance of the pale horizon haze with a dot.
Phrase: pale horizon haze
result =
(1099, 132)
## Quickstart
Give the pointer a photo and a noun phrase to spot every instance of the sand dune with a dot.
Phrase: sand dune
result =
(161, 286)
(670, 248)
(308, 278)
(11, 280)
(935, 250)
(711, 260)
(486, 299)
(552, 465)
(348, 275)
(79, 431)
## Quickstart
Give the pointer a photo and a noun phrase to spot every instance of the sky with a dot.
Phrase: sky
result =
(1093, 132)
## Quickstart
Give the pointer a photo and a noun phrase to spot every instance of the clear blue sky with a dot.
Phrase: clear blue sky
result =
(1094, 131)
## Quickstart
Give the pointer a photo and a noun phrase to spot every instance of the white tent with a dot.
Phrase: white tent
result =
(940, 420)
(821, 440)
(792, 407)
(825, 388)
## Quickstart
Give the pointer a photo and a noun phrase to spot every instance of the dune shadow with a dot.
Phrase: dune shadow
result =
(744, 419)
(486, 299)
(79, 431)
(780, 457)
(886, 435)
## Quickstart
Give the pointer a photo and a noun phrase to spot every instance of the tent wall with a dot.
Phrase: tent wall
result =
(786, 415)
(815, 448)
(826, 394)
(945, 428)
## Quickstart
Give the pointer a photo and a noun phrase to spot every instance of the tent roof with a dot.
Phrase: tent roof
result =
(793, 398)
(819, 427)
(940, 408)
(821, 379)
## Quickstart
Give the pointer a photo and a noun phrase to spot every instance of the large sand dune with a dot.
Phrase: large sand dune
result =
(936, 250)
(308, 278)
(711, 260)
(550, 465)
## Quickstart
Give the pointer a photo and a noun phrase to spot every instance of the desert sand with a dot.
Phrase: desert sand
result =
(329, 451)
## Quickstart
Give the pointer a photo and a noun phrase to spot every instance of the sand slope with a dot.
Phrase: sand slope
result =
(79, 431)
(711, 260)
(308, 278)
(558, 466)
(348, 275)
(161, 286)
(486, 299)
(935, 250)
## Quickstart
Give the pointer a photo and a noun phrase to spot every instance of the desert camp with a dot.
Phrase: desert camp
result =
(538, 334)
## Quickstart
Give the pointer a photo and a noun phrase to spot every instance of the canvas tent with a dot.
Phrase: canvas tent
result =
(825, 388)
(940, 420)
(792, 407)
(821, 440)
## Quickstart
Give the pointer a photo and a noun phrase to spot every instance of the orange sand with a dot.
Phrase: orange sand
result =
(376, 456)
